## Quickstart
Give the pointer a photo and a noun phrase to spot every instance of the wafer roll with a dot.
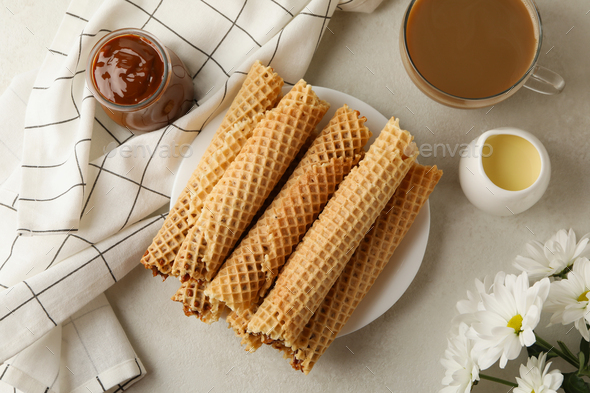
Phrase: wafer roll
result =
(252, 267)
(257, 94)
(328, 246)
(364, 267)
(191, 295)
(260, 92)
(238, 321)
(236, 198)
(283, 180)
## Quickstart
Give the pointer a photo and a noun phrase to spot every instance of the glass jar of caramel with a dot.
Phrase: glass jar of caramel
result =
(139, 82)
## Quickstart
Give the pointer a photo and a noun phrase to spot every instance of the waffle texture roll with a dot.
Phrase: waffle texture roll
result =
(328, 246)
(258, 93)
(192, 296)
(238, 322)
(364, 267)
(236, 198)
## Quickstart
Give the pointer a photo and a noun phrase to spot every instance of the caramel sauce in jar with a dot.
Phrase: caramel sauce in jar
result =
(140, 83)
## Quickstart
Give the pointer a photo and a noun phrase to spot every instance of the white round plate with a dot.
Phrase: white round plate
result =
(403, 266)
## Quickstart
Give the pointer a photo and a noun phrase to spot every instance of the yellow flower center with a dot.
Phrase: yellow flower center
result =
(583, 297)
(515, 323)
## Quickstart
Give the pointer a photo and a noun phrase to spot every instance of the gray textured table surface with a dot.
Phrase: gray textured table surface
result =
(402, 347)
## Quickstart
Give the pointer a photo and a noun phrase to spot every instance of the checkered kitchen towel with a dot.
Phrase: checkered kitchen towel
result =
(75, 213)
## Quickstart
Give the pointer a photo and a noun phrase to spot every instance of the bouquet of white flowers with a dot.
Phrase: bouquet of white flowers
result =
(497, 320)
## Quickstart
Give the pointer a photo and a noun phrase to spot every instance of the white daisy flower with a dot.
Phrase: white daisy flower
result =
(510, 313)
(568, 299)
(461, 368)
(553, 257)
(473, 303)
(536, 377)
(474, 300)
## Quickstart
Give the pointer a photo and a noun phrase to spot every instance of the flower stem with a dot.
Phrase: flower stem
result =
(551, 348)
(498, 380)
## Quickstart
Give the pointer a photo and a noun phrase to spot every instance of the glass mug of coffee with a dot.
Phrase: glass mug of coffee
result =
(474, 53)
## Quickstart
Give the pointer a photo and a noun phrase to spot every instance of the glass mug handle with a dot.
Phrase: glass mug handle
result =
(545, 81)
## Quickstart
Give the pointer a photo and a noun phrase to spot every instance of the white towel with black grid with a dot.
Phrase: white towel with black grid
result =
(75, 213)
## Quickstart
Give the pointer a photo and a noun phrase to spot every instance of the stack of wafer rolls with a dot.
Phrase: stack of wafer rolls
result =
(252, 267)
(258, 93)
(364, 267)
(247, 182)
(328, 246)
(238, 320)
(286, 227)
(329, 159)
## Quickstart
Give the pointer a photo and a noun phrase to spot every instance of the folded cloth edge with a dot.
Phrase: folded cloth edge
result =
(132, 370)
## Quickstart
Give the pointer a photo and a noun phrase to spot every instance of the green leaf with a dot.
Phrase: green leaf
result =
(567, 351)
(563, 274)
(585, 349)
(536, 350)
(582, 360)
(574, 384)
